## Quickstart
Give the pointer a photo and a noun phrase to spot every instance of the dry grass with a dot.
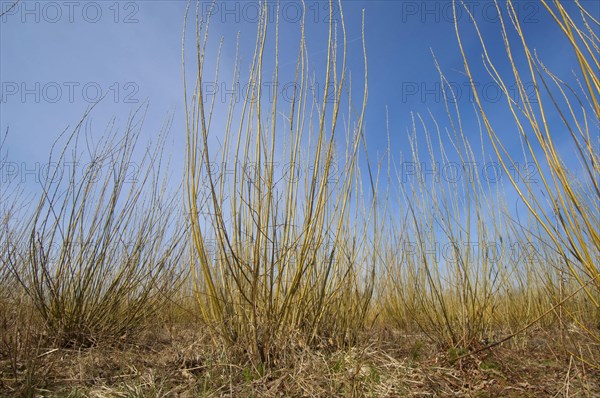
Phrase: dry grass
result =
(182, 361)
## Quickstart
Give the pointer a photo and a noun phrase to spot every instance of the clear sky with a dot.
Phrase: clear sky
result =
(59, 57)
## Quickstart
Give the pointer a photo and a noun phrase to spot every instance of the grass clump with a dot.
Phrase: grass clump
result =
(100, 254)
(292, 257)
(569, 219)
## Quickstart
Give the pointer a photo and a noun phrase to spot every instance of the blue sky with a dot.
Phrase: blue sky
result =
(56, 57)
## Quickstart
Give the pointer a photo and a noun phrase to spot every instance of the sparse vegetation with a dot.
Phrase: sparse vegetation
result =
(247, 281)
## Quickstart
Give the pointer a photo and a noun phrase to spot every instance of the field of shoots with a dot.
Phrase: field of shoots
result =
(342, 274)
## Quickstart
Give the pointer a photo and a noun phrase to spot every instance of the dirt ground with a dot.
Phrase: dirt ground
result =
(183, 362)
